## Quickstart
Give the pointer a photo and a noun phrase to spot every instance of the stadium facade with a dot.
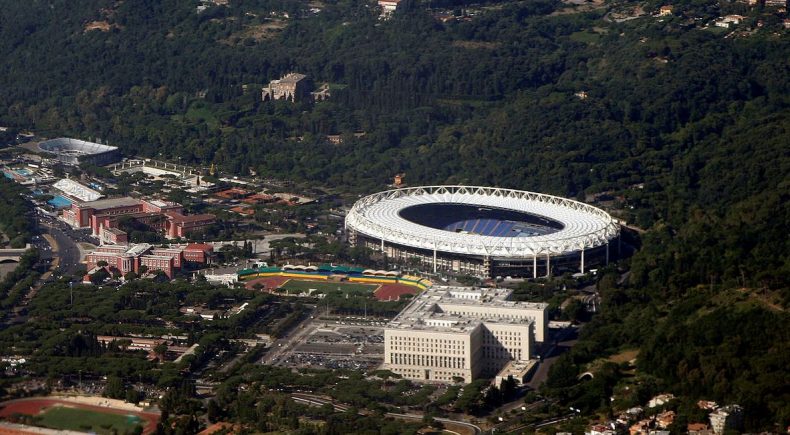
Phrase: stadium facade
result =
(74, 151)
(483, 231)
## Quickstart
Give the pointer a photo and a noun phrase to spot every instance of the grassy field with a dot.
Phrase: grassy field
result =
(298, 286)
(586, 37)
(84, 420)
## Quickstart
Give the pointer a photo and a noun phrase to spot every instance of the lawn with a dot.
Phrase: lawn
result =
(298, 286)
(586, 37)
(61, 417)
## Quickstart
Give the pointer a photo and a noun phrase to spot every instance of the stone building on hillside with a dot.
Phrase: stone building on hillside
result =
(290, 87)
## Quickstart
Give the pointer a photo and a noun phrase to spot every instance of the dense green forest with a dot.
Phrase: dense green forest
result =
(16, 226)
(699, 121)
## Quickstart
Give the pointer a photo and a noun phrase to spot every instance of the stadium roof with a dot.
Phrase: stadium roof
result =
(65, 145)
(584, 226)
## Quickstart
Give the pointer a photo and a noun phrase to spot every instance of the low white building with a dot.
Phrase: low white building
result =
(388, 7)
(660, 400)
(77, 190)
(729, 20)
(227, 279)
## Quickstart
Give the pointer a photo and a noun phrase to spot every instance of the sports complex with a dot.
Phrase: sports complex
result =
(325, 278)
(483, 231)
(63, 414)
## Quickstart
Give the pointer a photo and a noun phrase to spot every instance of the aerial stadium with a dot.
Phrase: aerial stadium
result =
(74, 151)
(485, 232)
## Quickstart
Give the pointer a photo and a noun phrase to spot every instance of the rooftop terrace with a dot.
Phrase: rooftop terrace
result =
(436, 309)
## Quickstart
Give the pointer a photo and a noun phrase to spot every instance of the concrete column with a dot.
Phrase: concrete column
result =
(582, 265)
(434, 260)
(382, 245)
(548, 265)
(534, 266)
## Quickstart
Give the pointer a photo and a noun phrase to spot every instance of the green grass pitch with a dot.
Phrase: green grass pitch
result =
(85, 420)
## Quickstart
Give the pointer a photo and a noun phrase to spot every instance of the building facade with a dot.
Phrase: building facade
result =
(131, 258)
(726, 417)
(290, 87)
(162, 216)
(457, 333)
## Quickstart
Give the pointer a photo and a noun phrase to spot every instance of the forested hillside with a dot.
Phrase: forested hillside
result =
(522, 94)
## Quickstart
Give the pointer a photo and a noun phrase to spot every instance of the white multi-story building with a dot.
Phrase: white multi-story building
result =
(447, 333)
(726, 417)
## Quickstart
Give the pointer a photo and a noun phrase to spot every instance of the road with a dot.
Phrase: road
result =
(290, 340)
(313, 400)
(564, 340)
(65, 247)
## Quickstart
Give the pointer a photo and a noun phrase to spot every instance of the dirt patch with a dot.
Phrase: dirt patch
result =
(578, 6)
(102, 26)
(268, 283)
(393, 292)
(257, 33)
(624, 356)
(97, 25)
(6, 268)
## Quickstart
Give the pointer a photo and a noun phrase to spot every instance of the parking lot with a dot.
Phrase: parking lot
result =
(332, 344)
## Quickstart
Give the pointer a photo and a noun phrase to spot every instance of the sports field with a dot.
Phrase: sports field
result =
(66, 414)
(63, 418)
(382, 292)
(298, 286)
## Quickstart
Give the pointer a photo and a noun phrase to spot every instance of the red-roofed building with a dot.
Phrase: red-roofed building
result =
(232, 193)
(244, 211)
(259, 198)
(179, 225)
(164, 216)
(199, 253)
(114, 236)
(665, 419)
(175, 253)
(130, 258)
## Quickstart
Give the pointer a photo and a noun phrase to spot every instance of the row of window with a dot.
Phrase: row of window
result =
(490, 352)
(453, 350)
(427, 360)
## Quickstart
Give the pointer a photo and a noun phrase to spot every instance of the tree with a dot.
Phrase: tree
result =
(99, 276)
(133, 396)
(115, 388)
(160, 350)
(574, 310)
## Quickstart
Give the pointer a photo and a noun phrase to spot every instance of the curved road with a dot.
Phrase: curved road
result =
(313, 400)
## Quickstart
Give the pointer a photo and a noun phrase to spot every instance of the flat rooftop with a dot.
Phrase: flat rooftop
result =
(104, 204)
(138, 249)
(161, 204)
(432, 310)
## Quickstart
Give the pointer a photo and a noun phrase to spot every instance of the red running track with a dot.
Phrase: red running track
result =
(34, 406)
